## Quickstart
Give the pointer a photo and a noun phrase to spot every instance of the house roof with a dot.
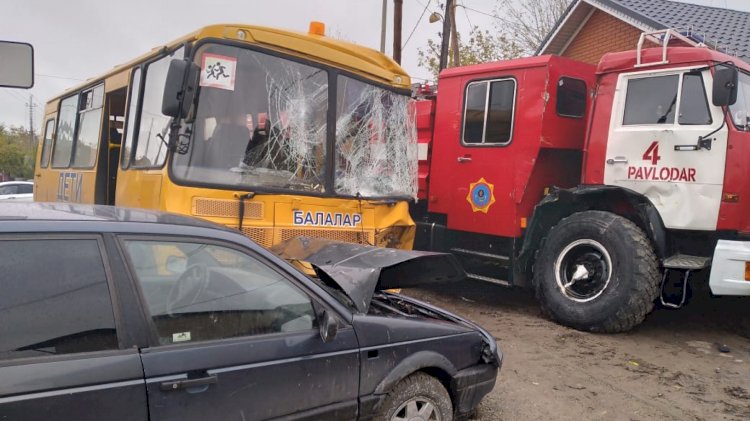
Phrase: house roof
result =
(724, 29)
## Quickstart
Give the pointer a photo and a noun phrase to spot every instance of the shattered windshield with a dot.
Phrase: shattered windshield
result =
(376, 149)
(261, 121)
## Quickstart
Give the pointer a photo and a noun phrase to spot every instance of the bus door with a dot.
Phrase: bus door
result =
(109, 152)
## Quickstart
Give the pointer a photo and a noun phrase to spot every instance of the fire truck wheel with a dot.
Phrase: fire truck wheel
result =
(597, 271)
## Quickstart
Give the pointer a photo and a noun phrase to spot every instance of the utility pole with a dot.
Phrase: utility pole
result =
(384, 17)
(397, 9)
(446, 34)
(31, 106)
(454, 37)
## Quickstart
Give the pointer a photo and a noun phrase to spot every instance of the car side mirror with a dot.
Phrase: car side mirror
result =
(725, 86)
(329, 326)
(16, 65)
(179, 87)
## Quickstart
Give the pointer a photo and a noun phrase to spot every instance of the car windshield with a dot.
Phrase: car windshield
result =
(262, 121)
(740, 111)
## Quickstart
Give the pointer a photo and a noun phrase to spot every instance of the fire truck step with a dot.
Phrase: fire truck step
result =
(686, 262)
(476, 277)
(474, 253)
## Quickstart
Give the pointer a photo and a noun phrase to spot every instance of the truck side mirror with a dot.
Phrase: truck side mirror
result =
(179, 88)
(16, 65)
(725, 86)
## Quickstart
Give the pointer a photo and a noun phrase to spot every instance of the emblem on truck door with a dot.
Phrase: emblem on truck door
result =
(481, 195)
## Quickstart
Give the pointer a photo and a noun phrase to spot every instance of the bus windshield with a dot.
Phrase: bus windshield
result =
(262, 122)
(740, 110)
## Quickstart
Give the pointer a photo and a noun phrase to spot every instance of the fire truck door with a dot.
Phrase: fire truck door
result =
(477, 168)
(654, 148)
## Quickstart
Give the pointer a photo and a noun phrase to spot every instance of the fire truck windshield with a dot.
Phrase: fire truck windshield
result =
(261, 122)
(741, 109)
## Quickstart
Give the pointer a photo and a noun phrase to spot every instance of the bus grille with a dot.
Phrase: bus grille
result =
(262, 236)
(359, 237)
(226, 208)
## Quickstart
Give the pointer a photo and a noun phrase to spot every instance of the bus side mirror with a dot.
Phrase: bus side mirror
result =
(16, 65)
(179, 88)
(725, 86)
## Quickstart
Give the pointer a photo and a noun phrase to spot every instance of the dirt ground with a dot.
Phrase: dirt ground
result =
(668, 368)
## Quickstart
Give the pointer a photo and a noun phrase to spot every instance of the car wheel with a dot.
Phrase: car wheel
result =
(419, 397)
(597, 271)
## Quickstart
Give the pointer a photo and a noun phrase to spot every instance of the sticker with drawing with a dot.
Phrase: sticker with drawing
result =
(218, 71)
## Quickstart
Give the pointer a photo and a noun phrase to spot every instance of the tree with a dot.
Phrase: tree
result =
(481, 47)
(16, 152)
(527, 22)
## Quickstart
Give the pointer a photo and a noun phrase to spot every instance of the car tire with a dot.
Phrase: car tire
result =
(418, 394)
(597, 271)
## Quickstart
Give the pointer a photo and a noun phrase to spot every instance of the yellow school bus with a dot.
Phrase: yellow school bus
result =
(273, 132)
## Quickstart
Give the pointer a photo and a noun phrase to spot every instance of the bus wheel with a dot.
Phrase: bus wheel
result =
(597, 271)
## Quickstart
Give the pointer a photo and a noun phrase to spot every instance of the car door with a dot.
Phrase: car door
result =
(62, 354)
(236, 338)
(652, 149)
(8, 191)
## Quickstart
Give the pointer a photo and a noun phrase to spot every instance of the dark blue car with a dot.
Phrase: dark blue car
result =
(123, 314)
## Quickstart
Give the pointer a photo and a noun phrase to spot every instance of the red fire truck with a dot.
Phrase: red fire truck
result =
(602, 188)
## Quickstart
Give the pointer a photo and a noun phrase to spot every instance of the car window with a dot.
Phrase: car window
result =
(25, 188)
(10, 189)
(55, 299)
(197, 292)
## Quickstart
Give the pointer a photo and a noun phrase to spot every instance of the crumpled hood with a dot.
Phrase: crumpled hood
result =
(360, 270)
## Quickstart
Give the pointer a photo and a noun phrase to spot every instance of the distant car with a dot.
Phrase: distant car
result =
(19, 191)
(123, 314)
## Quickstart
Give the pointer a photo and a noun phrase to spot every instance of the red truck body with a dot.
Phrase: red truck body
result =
(512, 151)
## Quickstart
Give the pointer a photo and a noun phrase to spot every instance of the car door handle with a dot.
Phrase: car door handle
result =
(462, 159)
(187, 383)
(617, 160)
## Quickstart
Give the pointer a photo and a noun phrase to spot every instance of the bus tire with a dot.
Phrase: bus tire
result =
(597, 271)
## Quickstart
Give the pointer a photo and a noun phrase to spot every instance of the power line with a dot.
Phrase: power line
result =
(59, 77)
(482, 13)
(417, 24)
(471, 27)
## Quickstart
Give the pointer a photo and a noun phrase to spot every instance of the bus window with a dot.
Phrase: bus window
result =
(263, 125)
(65, 130)
(133, 99)
(153, 127)
(89, 121)
(48, 133)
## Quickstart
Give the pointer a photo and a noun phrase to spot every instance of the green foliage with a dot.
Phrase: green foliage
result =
(17, 152)
(481, 47)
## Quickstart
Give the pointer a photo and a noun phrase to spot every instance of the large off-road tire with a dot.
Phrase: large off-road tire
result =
(418, 396)
(597, 271)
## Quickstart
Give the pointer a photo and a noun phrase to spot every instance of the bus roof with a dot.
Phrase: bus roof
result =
(360, 60)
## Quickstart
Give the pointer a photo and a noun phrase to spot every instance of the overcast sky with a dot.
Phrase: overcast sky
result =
(77, 39)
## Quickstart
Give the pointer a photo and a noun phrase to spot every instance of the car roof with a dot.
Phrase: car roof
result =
(6, 183)
(93, 218)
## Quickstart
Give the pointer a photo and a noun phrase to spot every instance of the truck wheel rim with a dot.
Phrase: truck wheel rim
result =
(417, 409)
(583, 270)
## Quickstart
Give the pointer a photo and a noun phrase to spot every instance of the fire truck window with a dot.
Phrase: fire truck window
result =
(500, 117)
(571, 97)
(693, 102)
(651, 100)
(476, 101)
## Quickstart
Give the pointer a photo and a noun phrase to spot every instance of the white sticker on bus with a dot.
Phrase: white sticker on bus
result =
(218, 71)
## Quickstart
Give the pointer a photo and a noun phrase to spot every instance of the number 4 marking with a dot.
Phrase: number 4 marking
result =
(652, 153)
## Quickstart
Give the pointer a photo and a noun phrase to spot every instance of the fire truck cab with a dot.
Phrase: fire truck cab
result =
(602, 188)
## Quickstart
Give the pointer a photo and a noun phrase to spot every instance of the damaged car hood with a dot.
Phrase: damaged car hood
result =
(360, 270)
